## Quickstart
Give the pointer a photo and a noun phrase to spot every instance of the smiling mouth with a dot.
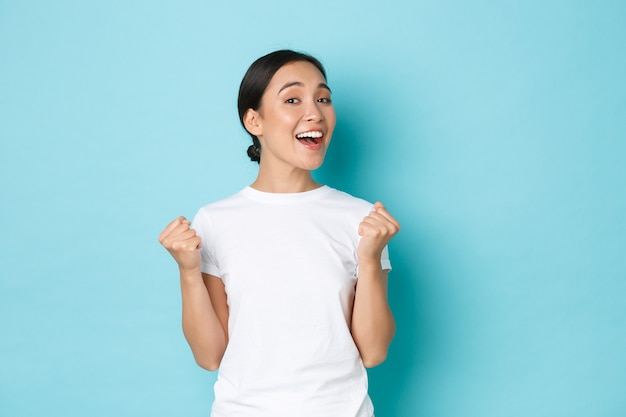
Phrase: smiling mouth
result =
(311, 138)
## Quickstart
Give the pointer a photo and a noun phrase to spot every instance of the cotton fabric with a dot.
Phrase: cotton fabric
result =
(289, 266)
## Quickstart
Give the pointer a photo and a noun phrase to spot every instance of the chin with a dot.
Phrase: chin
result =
(312, 165)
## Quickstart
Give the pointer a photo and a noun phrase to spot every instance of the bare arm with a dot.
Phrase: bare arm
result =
(373, 326)
(205, 312)
(202, 326)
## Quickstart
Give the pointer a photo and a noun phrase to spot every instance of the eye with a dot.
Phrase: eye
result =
(292, 101)
(325, 100)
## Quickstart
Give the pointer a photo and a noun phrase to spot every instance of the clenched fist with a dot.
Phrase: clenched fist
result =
(376, 230)
(182, 243)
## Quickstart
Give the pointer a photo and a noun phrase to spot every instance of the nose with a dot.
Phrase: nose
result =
(313, 113)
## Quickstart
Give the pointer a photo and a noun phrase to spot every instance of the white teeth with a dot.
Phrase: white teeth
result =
(316, 134)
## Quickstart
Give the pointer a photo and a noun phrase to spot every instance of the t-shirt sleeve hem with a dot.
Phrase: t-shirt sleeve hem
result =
(210, 269)
(385, 265)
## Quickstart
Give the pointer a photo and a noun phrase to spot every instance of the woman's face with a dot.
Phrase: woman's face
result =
(296, 118)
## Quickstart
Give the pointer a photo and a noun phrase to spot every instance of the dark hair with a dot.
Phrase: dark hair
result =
(256, 80)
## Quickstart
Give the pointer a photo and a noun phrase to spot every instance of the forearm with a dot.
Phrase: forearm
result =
(201, 325)
(373, 326)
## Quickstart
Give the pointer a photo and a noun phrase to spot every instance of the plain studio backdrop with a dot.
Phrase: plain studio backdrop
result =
(495, 131)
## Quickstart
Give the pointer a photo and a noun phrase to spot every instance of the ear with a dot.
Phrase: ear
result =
(252, 122)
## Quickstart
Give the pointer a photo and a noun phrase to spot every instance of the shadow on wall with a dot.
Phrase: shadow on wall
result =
(354, 164)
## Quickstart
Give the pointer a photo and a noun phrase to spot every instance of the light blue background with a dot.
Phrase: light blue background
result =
(493, 130)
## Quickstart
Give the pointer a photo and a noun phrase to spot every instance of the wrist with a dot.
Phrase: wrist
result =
(190, 275)
(369, 263)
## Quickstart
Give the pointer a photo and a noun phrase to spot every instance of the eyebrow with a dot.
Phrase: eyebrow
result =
(299, 84)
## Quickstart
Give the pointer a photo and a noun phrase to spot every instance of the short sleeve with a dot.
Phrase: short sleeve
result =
(202, 225)
(385, 263)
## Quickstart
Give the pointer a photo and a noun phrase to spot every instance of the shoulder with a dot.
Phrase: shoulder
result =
(348, 201)
(224, 204)
(219, 209)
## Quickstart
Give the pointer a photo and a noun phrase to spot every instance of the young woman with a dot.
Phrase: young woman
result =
(284, 284)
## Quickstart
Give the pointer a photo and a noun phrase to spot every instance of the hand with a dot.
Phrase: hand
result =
(376, 230)
(182, 243)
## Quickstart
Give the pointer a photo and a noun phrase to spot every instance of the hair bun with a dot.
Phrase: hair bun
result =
(254, 153)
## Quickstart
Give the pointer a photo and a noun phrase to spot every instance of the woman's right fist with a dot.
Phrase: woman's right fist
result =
(182, 243)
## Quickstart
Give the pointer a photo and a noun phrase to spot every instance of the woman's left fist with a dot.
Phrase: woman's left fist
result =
(376, 230)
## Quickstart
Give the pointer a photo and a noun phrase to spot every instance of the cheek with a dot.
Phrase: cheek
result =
(286, 118)
(331, 119)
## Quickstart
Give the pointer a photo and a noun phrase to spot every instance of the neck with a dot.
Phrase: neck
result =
(289, 181)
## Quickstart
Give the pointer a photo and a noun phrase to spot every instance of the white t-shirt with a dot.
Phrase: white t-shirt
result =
(289, 266)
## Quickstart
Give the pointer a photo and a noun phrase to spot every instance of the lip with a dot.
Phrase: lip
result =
(311, 143)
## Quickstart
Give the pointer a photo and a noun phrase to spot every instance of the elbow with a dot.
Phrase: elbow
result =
(374, 359)
(373, 353)
(210, 361)
(206, 356)
(209, 367)
(208, 364)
